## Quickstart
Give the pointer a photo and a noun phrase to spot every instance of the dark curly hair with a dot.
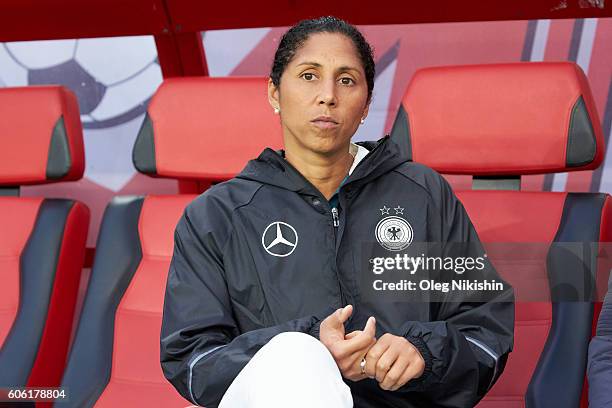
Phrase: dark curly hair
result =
(295, 37)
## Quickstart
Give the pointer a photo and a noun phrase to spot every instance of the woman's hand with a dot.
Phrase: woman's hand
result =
(393, 361)
(347, 352)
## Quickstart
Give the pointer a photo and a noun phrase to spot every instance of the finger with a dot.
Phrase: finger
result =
(345, 313)
(356, 366)
(360, 376)
(350, 366)
(397, 371)
(384, 363)
(336, 320)
(350, 363)
(374, 354)
(416, 366)
(352, 334)
(370, 327)
(412, 371)
(356, 377)
(360, 353)
(347, 355)
(362, 340)
(356, 332)
(354, 359)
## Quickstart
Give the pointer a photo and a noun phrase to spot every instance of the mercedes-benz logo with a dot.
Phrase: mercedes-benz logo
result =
(279, 239)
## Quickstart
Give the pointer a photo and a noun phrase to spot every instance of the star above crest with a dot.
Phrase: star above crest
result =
(399, 210)
(384, 210)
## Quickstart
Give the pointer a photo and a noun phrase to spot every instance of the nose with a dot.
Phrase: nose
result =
(327, 94)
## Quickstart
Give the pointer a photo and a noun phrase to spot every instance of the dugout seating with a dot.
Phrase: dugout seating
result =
(189, 133)
(115, 357)
(42, 240)
(497, 123)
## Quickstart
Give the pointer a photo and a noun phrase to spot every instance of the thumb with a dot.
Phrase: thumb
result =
(370, 327)
(332, 327)
(345, 313)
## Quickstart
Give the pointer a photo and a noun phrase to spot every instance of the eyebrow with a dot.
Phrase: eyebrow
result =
(316, 64)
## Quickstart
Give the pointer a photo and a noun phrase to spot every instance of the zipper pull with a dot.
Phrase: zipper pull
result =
(335, 217)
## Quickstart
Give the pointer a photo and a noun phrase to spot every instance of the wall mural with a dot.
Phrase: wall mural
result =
(114, 79)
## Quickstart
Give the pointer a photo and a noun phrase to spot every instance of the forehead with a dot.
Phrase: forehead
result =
(328, 49)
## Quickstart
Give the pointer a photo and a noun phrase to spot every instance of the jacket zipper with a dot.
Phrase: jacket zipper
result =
(336, 223)
(334, 212)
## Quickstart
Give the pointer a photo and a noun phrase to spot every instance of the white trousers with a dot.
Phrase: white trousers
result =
(292, 370)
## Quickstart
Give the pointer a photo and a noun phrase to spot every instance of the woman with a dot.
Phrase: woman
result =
(599, 369)
(265, 303)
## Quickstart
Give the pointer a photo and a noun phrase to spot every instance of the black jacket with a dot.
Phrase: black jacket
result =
(599, 369)
(231, 288)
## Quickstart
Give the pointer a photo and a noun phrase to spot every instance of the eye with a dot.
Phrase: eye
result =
(347, 81)
(309, 76)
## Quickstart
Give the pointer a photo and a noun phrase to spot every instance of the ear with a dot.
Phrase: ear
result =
(273, 94)
(366, 110)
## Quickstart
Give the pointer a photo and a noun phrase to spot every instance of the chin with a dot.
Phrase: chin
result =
(325, 144)
(319, 141)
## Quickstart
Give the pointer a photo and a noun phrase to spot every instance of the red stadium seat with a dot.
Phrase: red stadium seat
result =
(42, 241)
(195, 129)
(496, 123)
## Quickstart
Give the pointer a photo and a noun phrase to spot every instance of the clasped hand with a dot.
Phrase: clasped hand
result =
(391, 359)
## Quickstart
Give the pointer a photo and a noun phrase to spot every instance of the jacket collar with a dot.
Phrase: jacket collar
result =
(271, 167)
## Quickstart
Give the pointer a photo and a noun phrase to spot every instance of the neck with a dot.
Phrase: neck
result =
(325, 172)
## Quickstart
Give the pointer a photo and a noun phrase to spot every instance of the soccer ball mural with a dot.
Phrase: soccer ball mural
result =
(113, 78)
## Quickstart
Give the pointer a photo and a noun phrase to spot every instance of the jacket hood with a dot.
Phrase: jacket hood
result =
(271, 168)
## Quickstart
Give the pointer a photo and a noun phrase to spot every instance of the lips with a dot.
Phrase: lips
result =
(324, 122)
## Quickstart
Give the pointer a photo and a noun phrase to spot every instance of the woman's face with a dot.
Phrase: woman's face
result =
(322, 95)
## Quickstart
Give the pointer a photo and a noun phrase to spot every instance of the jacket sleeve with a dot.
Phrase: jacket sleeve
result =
(599, 369)
(202, 347)
(466, 345)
